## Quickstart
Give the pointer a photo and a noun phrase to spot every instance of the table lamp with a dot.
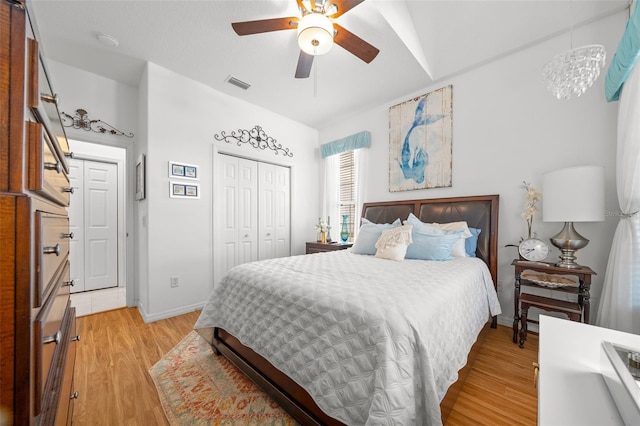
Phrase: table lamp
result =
(574, 194)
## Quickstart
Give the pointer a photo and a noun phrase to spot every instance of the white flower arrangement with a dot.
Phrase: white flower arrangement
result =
(322, 226)
(529, 212)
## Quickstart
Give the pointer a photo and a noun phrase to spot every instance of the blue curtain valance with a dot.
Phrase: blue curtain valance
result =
(625, 57)
(349, 143)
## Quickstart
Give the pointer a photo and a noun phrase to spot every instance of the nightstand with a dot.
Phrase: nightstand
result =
(313, 247)
(576, 311)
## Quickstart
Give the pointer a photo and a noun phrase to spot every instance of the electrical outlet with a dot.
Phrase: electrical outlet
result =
(174, 281)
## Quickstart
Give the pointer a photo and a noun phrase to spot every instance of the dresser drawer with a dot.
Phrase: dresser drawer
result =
(47, 175)
(67, 392)
(49, 334)
(43, 102)
(52, 250)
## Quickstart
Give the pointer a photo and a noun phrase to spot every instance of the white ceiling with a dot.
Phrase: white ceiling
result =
(420, 42)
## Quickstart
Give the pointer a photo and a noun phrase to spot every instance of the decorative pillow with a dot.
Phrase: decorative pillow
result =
(458, 249)
(393, 243)
(423, 227)
(368, 235)
(427, 246)
(454, 226)
(471, 243)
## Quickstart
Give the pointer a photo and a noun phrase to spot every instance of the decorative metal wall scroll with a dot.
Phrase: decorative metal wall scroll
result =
(81, 121)
(255, 137)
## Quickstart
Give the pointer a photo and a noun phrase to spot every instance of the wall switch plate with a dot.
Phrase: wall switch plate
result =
(174, 281)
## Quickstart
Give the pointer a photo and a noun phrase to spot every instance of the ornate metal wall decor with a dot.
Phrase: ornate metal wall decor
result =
(81, 121)
(255, 137)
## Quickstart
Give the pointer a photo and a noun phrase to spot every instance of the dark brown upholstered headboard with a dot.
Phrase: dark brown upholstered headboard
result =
(478, 211)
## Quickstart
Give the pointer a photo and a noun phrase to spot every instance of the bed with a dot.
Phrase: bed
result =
(373, 340)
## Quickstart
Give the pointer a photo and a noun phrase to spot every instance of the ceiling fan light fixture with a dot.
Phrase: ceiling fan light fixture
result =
(315, 34)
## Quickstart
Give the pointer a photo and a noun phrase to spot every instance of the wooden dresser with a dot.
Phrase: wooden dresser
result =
(37, 322)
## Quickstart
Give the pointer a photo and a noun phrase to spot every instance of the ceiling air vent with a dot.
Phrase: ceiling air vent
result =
(239, 83)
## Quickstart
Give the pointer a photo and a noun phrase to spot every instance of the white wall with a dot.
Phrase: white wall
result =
(509, 129)
(182, 116)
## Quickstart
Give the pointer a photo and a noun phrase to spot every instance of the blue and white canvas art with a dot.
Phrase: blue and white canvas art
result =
(420, 137)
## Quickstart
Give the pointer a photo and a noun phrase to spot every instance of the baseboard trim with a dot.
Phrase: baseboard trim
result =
(147, 318)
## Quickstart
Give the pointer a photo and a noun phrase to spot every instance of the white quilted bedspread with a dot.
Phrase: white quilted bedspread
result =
(373, 341)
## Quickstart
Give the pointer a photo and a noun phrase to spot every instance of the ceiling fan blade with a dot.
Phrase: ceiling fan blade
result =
(344, 6)
(354, 44)
(304, 65)
(265, 25)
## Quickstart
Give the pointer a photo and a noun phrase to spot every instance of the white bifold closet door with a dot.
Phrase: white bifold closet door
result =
(254, 213)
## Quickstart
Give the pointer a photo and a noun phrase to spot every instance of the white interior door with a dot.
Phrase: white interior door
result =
(101, 224)
(93, 220)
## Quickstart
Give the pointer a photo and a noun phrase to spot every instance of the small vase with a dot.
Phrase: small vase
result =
(323, 237)
(344, 232)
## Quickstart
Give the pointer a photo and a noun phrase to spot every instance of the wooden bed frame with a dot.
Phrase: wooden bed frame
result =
(478, 211)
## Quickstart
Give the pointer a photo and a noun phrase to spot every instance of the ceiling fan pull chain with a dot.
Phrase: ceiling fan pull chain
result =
(315, 75)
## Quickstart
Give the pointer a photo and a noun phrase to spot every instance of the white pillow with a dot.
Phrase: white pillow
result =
(454, 226)
(393, 243)
(458, 249)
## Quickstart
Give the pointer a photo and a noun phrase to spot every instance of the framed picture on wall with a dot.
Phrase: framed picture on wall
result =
(140, 177)
(183, 171)
(184, 190)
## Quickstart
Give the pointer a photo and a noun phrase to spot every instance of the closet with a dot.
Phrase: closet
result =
(254, 212)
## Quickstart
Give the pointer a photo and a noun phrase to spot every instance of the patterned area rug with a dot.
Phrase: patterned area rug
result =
(198, 388)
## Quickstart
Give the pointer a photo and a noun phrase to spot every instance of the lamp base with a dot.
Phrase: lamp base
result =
(568, 240)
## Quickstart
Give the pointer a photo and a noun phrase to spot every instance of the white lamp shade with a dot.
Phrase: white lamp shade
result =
(315, 34)
(574, 194)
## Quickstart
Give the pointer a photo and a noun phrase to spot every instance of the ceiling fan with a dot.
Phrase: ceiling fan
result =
(316, 31)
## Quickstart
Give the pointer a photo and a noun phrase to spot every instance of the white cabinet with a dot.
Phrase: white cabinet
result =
(254, 212)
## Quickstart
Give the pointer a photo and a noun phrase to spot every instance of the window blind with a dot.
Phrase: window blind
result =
(347, 190)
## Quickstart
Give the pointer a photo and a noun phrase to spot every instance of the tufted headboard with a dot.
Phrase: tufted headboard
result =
(479, 211)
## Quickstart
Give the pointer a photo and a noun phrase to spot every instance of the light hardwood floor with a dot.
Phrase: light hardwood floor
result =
(117, 349)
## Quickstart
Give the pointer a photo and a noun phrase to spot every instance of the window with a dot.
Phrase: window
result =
(347, 190)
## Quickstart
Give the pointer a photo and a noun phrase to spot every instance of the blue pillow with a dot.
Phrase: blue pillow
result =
(368, 235)
(429, 246)
(471, 243)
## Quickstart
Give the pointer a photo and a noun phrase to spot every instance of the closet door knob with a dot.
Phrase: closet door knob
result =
(69, 190)
(246, 235)
(52, 250)
(54, 338)
(57, 166)
(75, 338)
(68, 235)
(69, 283)
(69, 154)
(74, 395)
